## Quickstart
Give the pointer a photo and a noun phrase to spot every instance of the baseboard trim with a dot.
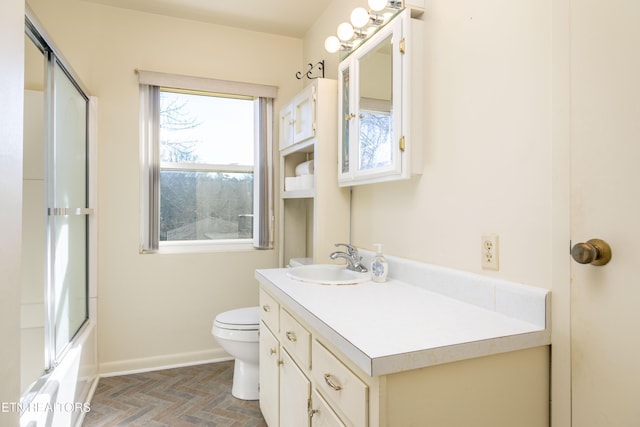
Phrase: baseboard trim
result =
(157, 363)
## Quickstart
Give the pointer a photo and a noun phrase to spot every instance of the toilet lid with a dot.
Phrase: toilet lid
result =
(240, 318)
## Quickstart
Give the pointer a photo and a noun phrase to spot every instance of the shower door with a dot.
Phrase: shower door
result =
(67, 210)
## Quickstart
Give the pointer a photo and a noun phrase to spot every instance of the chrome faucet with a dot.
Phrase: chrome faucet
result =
(353, 258)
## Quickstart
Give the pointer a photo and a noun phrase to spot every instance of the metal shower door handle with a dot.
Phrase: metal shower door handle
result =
(70, 211)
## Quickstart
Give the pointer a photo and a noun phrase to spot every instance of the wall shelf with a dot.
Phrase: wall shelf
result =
(311, 220)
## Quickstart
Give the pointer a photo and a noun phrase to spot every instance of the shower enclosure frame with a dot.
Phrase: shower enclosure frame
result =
(70, 354)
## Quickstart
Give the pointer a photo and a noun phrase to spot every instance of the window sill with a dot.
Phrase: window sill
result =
(186, 247)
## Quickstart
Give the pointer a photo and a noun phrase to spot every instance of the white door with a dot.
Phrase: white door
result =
(605, 204)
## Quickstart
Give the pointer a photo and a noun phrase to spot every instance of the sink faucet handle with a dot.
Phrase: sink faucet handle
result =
(351, 250)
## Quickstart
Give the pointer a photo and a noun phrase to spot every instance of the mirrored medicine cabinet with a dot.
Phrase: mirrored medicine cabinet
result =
(379, 105)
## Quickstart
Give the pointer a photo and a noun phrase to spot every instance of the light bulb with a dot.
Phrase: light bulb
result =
(377, 5)
(359, 17)
(332, 44)
(345, 31)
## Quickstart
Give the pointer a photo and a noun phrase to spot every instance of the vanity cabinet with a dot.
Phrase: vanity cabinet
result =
(380, 105)
(330, 389)
(287, 377)
(314, 211)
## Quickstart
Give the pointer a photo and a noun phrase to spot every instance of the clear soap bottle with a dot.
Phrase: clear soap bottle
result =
(379, 265)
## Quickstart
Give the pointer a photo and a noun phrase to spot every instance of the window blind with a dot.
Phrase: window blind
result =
(150, 84)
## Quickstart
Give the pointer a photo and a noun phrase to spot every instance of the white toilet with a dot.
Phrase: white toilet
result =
(237, 331)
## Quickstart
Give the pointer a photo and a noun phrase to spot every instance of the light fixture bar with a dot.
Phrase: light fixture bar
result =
(363, 23)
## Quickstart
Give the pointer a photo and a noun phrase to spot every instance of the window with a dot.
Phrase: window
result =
(206, 162)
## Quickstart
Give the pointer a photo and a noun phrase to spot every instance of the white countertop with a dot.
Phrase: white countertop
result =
(396, 326)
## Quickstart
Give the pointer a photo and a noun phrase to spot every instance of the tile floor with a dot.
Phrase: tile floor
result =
(190, 396)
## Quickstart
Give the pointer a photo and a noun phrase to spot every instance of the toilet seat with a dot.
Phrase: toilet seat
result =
(240, 319)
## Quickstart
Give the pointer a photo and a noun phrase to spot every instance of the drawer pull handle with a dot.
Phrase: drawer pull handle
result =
(291, 336)
(330, 383)
(272, 351)
(266, 308)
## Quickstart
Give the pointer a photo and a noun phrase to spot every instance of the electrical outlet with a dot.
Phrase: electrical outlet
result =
(489, 251)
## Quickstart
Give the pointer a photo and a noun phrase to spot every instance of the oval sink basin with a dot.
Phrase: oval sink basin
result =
(327, 274)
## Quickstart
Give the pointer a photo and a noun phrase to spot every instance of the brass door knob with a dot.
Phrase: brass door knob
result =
(594, 252)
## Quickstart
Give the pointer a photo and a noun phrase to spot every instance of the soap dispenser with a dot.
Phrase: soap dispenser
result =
(379, 265)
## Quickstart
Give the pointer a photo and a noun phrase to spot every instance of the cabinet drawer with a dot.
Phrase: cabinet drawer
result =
(296, 339)
(342, 388)
(269, 311)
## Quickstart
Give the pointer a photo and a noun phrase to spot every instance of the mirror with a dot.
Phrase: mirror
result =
(375, 107)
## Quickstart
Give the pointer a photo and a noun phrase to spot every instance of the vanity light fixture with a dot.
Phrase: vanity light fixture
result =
(363, 23)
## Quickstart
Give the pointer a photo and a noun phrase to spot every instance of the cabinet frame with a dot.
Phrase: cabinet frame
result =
(407, 103)
(312, 220)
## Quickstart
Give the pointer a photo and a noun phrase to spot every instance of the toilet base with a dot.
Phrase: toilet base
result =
(245, 380)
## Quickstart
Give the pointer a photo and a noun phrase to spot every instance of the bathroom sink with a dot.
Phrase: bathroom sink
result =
(327, 274)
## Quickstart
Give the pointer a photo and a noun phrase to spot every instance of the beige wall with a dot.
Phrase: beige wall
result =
(495, 152)
(156, 310)
(487, 156)
(11, 93)
(487, 145)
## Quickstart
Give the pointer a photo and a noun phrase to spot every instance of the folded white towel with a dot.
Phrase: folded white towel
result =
(305, 168)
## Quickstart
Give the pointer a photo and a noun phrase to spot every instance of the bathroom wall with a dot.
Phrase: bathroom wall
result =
(11, 94)
(157, 310)
(495, 152)
(487, 141)
(487, 156)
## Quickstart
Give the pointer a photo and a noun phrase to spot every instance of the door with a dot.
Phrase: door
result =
(295, 392)
(605, 204)
(269, 376)
(321, 413)
(304, 104)
(67, 220)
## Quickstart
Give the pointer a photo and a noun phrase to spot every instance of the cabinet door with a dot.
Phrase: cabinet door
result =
(269, 381)
(345, 109)
(304, 106)
(378, 121)
(286, 126)
(378, 139)
(321, 413)
(295, 392)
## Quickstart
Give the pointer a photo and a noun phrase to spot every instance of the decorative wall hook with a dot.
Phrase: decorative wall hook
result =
(316, 71)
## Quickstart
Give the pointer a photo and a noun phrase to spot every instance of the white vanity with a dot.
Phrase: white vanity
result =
(430, 347)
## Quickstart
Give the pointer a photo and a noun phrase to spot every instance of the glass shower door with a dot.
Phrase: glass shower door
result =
(67, 211)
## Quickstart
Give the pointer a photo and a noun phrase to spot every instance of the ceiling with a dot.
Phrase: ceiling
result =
(284, 17)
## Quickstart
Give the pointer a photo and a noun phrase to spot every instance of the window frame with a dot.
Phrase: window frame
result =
(151, 83)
